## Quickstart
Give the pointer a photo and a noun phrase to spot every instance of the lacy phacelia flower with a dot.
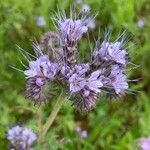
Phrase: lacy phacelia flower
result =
(83, 82)
(79, 82)
(118, 80)
(28, 137)
(14, 134)
(114, 52)
(21, 138)
(39, 72)
(71, 29)
(42, 67)
(87, 87)
(82, 133)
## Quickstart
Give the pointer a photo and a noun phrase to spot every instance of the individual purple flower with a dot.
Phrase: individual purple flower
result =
(41, 67)
(77, 81)
(94, 82)
(114, 52)
(71, 29)
(82, 133)
(118, 80)
(141, 23)
(88, 88)
(28, 137)
(14, 134)
(144, 143)
(49, 69)
(40, 21)
(91, 25)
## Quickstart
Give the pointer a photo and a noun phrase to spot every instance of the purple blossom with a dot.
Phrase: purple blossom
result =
(35, 67)
(91, 25)
(79, 69)
(41, 67)
(141, 23)
(28, 137)
(72, 30)
(49, 69)
(21, 138)
(40, 21)
(114, 52)
(118, 80)
(144, 143)
(14, 134)
(82, 133)
(94, 82)
(78, 82)
(40, 81)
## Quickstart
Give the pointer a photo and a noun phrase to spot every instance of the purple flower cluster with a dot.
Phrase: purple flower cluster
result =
(84, 82)
(21, 138)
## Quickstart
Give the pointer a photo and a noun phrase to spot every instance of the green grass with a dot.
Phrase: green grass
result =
(112, 125)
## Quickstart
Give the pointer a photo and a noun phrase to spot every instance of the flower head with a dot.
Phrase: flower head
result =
(118, 80)
(42, 67)
(14, 134)
(113, 52)
(71, 29)
(28, 137)
(78, 81)
(21, 138)
(87, 87)
(38, 74)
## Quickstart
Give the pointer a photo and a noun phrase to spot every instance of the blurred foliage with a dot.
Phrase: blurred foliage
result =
(112, 125)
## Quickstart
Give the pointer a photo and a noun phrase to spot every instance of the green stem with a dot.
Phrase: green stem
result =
(54, 113)
(39, 115)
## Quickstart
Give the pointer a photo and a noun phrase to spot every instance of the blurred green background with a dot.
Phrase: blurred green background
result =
(112, 125)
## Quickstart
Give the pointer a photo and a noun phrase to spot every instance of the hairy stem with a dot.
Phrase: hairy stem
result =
(39, 115)
(53, 114)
